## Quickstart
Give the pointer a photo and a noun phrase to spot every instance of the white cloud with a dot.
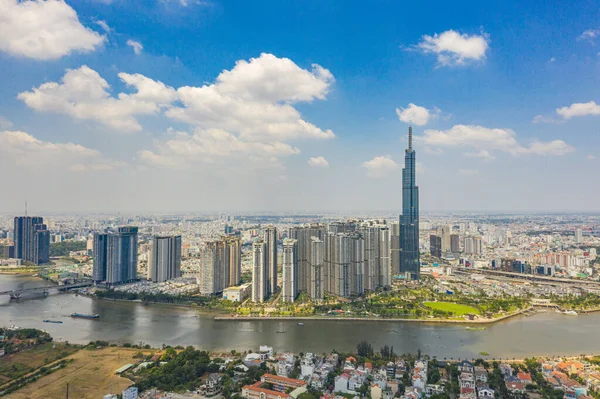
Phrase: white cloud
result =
(103, 25)
(552, 60)
(468, 172)
(590, 35)
(416, 115)
(380, 166)
(254, 100)
(483, 138)
(579, 109)
(453, 48)
(43, 30)
(482, 154)
(211, 146)
(83, 94)
(137, 46)
(545, 119)
(5, 123)
(591, 157)
(433, 151)
(185, 3)
(318, 162)
(27, 151)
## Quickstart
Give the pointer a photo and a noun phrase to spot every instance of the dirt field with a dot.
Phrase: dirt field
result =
(15, 365)
(90, 375)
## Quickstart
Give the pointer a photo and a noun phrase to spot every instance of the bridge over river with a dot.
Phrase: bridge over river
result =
(16, 294)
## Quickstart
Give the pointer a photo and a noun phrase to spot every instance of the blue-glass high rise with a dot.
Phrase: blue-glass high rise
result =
(410, 265)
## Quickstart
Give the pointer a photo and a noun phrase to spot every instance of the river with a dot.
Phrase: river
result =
(546, 333)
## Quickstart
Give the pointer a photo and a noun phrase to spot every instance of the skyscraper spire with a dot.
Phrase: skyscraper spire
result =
(410, 265)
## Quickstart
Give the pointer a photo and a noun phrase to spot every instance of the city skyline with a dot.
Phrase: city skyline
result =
(294, 120)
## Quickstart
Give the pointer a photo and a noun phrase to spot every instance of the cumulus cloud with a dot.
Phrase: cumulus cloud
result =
(416, 115)
(83, 94)
(482, 138)
(380, 166)
(254, 100)
(43, 30)
(25, 150)
(211, 146)
(579, 109)
(318, 162)
(136, 46)
(590, 35)
(482, 154)
(453, 48)
(591, 157)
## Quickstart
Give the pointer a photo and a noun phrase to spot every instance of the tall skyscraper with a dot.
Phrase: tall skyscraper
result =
(116, 255)
(578, 236)
(435, 246)
(271, 242)
(211, 278)
(260, 260)
(32, 240)
(303, 234)
(165, 258)
(221, 265)
(344, 264)
(100, 252)
(290, 270)
(232, 258)
(395, 248)
(446, 238)
(317, 283)
(454, 243)
(409, 219)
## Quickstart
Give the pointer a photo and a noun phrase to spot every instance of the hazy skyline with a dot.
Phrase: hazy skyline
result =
(203, 106)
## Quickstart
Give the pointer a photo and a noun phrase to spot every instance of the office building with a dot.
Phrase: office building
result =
(211, 268)
(290, 270)
(344, 264)
(165, 258)
(232, 259)
(100, 254)
(446, 238)
(317, 283)
(395, 248)
(7, 251)
(578, 236)
(435, 246)
(260, 260)
(31, 240)
(271, 242)
(221, 265)
(410, 265)
(454, 243)
(116, 256)
(473, 246)
(303, 235)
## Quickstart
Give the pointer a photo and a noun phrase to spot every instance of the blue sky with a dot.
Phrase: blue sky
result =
(186, 105)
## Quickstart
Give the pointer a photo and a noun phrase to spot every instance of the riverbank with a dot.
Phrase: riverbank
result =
(380, 319)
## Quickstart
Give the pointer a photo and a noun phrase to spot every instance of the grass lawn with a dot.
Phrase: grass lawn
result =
(455, 308)
(17, 364)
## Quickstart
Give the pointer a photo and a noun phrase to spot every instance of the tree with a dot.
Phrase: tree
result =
(365, 349)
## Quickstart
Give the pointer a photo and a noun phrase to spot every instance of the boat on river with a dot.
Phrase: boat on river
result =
(85, 316)
(300, 324)
(53, 321)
